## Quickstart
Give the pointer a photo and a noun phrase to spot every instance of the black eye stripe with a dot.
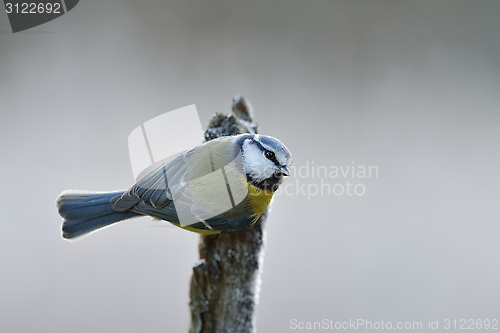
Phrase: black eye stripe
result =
(270, 155)
(274, 160)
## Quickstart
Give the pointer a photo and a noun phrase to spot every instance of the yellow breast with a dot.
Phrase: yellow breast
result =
(259, 199)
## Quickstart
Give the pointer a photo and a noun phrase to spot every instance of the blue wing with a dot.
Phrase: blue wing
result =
(154, 195)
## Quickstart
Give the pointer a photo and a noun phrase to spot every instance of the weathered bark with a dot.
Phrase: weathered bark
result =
(225, 281)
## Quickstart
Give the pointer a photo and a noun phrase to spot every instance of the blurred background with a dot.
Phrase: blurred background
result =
(411, 87)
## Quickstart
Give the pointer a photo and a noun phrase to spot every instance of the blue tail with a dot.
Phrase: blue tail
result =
(85, 212)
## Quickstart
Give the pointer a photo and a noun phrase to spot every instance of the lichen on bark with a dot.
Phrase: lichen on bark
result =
(225, 282)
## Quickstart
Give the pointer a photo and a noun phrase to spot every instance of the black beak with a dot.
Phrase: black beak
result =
(284, 171)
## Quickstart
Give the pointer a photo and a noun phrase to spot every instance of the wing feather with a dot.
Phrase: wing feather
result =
(179, 180)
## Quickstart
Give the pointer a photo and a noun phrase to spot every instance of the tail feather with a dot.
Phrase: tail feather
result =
(85, 212)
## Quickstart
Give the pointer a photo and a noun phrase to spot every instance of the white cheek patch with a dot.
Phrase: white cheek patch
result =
(255, 163)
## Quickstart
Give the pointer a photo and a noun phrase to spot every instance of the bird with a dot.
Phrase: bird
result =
(221, 186)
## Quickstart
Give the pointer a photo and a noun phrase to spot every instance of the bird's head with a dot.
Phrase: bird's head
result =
(266, 161)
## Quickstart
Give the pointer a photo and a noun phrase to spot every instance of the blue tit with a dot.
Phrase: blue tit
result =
(223, 185)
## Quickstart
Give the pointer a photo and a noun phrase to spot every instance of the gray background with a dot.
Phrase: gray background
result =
(411, 87)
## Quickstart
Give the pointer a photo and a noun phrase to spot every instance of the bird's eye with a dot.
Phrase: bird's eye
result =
(269, 154)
